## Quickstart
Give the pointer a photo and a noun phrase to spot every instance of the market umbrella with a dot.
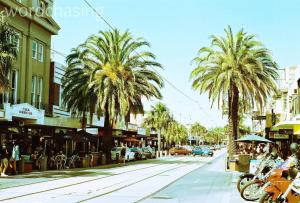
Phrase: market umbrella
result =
(253, 138)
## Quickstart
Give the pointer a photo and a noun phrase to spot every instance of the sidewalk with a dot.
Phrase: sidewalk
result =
(112, 169)
(210, 183)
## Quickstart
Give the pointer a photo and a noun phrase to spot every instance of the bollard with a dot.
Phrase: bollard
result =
(103, 159)
(160, 153)
(166, 153)
(157, 154)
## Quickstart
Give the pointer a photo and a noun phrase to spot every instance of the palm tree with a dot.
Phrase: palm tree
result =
(8, 55)
(215, 135)
(158, 117)
(198, 130)
(110, 74)
(78, 97)
(176, 133)
(235, 68)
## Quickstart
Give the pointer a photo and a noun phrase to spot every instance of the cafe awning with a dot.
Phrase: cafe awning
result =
(252, 138)
(131, 139)
(83, 136)
(287, 125)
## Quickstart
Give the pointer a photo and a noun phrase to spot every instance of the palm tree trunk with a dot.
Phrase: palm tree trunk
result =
(83, 122)
(233, 120)
(92, 111)
(159, 140)
(108, 143)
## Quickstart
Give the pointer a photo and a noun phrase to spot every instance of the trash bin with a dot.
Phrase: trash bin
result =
(103, 159)
(244, 162)
(21, 165)
(117, 158)
(85, 162)
(44, 163)
(233, 165)
(96, 156)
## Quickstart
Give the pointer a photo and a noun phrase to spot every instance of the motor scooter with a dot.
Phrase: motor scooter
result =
(285, 189)
(265, 165)
(254, 190)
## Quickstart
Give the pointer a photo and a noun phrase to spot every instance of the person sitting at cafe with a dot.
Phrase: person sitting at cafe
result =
(51, 160)
(35, 158)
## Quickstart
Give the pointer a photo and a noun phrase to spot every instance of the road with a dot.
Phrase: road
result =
(178, 179)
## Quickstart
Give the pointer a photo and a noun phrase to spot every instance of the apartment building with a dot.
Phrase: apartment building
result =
(29, 94)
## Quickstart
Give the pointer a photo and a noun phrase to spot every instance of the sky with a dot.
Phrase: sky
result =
(176, 30)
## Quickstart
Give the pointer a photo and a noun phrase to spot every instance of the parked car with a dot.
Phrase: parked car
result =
(138, 153)
(116, 152)
(179, 150)
(188, 147)
(207, 152)
(212, 148)
(130, 156)
(149, 152)
(197, 151)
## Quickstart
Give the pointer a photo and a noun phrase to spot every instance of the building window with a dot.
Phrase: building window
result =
(14, 87)
(33, 90)
(40, 54)
(11, 95)
(39, 93)
(38, 51)
(34, 49)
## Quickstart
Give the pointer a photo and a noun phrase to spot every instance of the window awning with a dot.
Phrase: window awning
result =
(286, 125)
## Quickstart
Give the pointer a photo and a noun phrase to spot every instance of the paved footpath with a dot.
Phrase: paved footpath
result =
(208, 184)
(185, 179)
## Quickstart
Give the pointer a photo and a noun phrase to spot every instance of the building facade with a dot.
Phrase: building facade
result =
(30, 75)
(24, 108)
(283, 112)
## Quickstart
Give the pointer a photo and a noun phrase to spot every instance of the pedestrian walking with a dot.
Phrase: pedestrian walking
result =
(123, 154)
(4, 160)
(15, 156)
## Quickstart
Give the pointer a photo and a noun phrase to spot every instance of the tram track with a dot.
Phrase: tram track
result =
(17, 197)
(69, 185)
(128, 185)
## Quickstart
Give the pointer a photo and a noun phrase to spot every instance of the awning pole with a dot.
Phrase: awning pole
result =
(66, 148)
(98, 144)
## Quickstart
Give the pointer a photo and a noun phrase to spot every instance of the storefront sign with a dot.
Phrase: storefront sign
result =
(2, 115)
(25, 111)
(141, 131)
(281, 136)
(117, 133)
(132, 127)
(93, 131)
(286, 131)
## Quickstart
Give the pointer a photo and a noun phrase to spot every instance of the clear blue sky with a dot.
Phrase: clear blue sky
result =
(176, 31)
